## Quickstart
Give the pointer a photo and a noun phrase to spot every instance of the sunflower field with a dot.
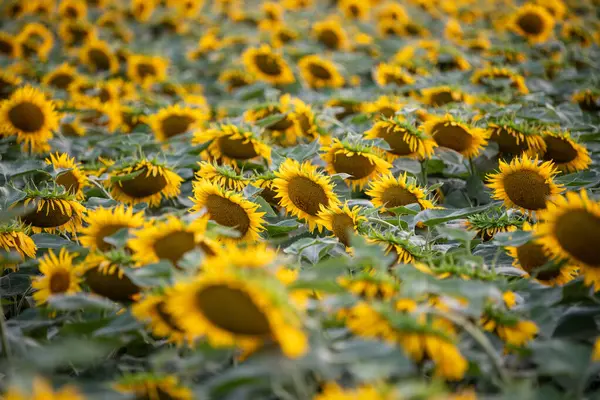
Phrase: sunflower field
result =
(299, 199)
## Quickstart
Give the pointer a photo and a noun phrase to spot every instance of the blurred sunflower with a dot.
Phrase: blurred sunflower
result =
(348, 107)
(144, 181)
(98, 56)
(456, 135)
(513, 331)
(186, 8)
(533, 22)
(588, 99)
(404, 139)
(14, 238)
(175, 120)
(265, 182)
(73, 180)
(229, 209)
(566, 154)
(282, 131)
(332, 391)
(302, 190)
(370, 285)
(146, 70)
(516, 138)
(61, 77)
(53, 210)
(362, 162)
(403, 251)
(151, 310)
(223, 175)
(42, 390)
(440, 96)
(9, 45)
(75, 33)
(267, 65)
(282, 35)
(72, 9)
(234, 79)
(487, 225)
(391, 74)
(575, 31)
(492, 75)
(9, 83)
(388, 192)
(59, 276)
(149, 386)
(331, 34)
(453, 32)
(36, 39)
(392, 11)
(384, 106)
(142, 10)
(71, 127)
(318, 72)
(104, 222)
(355, 9)
(272, 15)
(524, 183)
(341, 220)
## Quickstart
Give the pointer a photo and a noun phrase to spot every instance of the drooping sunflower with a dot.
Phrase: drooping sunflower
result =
(348, 106)
(146, 70)
(370, 285)
(588, 99)
(362, 162)
(73, 9)
(525, 183)
(331, 34)
(456, 135)
(53, 210)
(318, 72)
(384, 106)
(29, 116)
(14, 238)
(61, 77)
(151, 310)
(440, 96)
(388, 192)
(104, 222)
(355, 9)
(491, 75)
(229, 209)
(513, 331)
(144, 181)
(104, 274)
(404, 139)
(42, 390)
(306, 122)
(153, 387)
(59, 276)
(9, 82)
(569, 229)
(36, 39)
(234, 79)
(73, 180)
(283, 131)
(302, 190)
(487, 225)
(402, 249)
(516, 138)
(231, 143)
(390, 74)
(566, 154)
(533, 22)
(223, 175)
(341, 220)
(267, 65)
(174, 120)
(9, 45)
(97, 55)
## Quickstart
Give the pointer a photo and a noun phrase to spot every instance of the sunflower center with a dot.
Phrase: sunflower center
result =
(227, 213)
(237, 82)
(393, 78)
(531, 23)
(531, 257)
(6, 47)
(453, 137)
(508, 143)
(106, 231)
(175, 125)
(319, 71)
(111, 285)
(354, 10)
(48, 216)
(395, 140)
(268, 64)
(61, 81)
(69, 181)
(387, 111)
(232, 310)
(239, 149)
(356, 165)
(100, 59)
(527, 189)
(26, 117)
(143, 184)
(578, 232)
(442, 98)
(68, 130)
(342, 225)
(397, 196)
(329, 38)
(71, 12)
(145, 70)
(282, 124)
(60, 282)
(174, 245)
(307, 195)
(559, 150)
(167, 319)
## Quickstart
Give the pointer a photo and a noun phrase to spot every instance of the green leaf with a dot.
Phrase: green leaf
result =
(434, 217)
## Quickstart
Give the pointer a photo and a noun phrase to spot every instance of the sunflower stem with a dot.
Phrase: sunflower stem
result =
(424, 172)
(6, 353)
(99, 186)
(380, 221)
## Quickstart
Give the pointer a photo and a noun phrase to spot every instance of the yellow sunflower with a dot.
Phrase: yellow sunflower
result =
(104, 222)
(71, 127)
(142, 10)
(384, 106)
(513, 138)
(174, 120)
(72, 9)
(29, 116)
(404, 139)
(492, 74)
(53, 210)
(332, 391)
(231, 143)
(283, 131)
(151, 310)
(341, 219)
(272, 15)
(306, 123)
(9, 45)
(104, 273)
(318, 72)
(75, 33)
(98, 56)
(588, 100)
(14, 238)
(144, 181)
(524, 183)
(59, 276)
(146, 70)
(36, 39)
(514, 332)
(355, 9)
(360, 161)
(440, 96)
(388, 192)
(9, 82)
(391, 74)
(267, 65)
(42, 390)
(153, 387)
(234, 79)
(487, 225)
(459, 136)
(569, 229)
(73, 180)
(348, 107)
(283, 35)
(576, 31)
(223, 175)
(302, 190)
(331, 34)
(393, 12)
(61, 77)
(566, 154)
(229, 209)
(533, 22)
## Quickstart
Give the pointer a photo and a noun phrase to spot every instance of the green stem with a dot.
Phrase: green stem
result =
(6, 353)
(424, 172)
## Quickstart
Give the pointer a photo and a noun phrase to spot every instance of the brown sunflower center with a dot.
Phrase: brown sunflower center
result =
(71, 12)
(508, 143)
(68, 130)
(99, 59)
(6, 47)
(356, 165)
(395, 79)
(342, 225)
(354, 10)
(143, 184)
(329, 38)
(531, 257)
(454, 137)
(239, 149)
(145, 70)
(442, 98)
(559, 150)
(232, 310)
(268, 64)
(175, 125)
(69, 181)
(236, 82)
(319, 71)
(397, 196)
(27, 117)
(106, 231)
(60, 281)
(395, 139)
(174, 245)
(531, 23)
(527, 189)
(285, 37)
(61, 81)
(227, 213)
(110, 285)
(578, 233)
(167, 319)
(307, 195)
(50, 215)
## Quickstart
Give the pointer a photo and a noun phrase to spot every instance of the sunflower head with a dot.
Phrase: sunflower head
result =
(61, 77)
(104, 222)
(151, 310)
(384, 106)
(330, 34)
(104, 273)
(282, 35)
(53, 209)
(151, 386)
(223, 175)
(493, 77)
(74, 179)
(146, 70)
(342, 221)
(388, 192)
(459, 136)
(267, 65)
(59, 276)
(440, 96)
(73, 9)
(355, 9)
(566, 154)
(9, 46)
(318, 72)
(234, 79)
(36, 39)
(391, 74)
(14, 238)
(588, 99)
(403, 138)
(402, 249)
(533, 22)
(98, 56)
(489, 224)
(42, 389)
(175, 120)
(515, 137)
(371, 285)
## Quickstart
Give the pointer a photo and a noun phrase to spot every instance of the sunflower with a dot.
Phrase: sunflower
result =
(348, 107)
(513, 331)
(557, 8)
(391, 74)
(533, 22)
(231, 143)
(14, 238)
(566, 154)
(384, 106)
(142, 10)
(104, 222)
(588, 99)
(73, 180)
(403, 250)
(9, 82)
(53, 210)
(388, 192)
(575, 31)
(151, 310)
(97, 56)
(355, 9)
(440, 96)
(104, 273)
(393, 12)
(487, 225)
(229, 209)
(491, 75)
(341, 219)
(404, 139)
(306, 123)
(61, 77)
(223, 175)
(453, 134)
(331, 34)
(29, 116)
(59, 276)
(332, 391)
(146, 70)
(453, 32)
(272, 15)
(284, 131)
(234, 79)
(370, 285)
(302, 190)
(318, 72)
(186, 8)
(9, 45)
(265, 182)
(267, 65)
(238, 307)
(360, 161)
(153, 387)
(144, 181)
(524, 183)
(71, 127)
(516, 138)
(42, 390)
(36, 39)
(207, 43)
(174, 120)
(72, 9)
